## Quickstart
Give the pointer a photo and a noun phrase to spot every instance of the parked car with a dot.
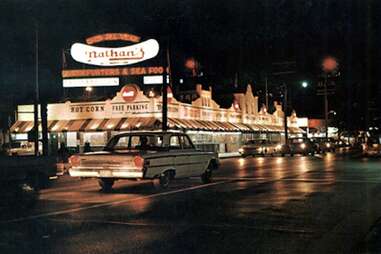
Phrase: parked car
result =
(324, 145)
(157, 156)
(21, 148)
(301, 146)
(372, 147)
(260, 147)
(21, 178)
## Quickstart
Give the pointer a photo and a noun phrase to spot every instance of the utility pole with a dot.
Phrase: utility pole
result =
(165, 93)
(37, 96)
(285, 107)
(267, 93)
(326, 106)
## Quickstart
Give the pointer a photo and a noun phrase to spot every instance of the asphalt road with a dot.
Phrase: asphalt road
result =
(254, 205)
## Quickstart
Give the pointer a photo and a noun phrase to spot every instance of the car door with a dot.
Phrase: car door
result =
(179, 158)
(196, 161)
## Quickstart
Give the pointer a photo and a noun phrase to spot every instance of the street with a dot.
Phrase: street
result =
(320, 204)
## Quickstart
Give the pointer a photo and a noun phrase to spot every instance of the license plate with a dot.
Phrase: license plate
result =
(105, 173)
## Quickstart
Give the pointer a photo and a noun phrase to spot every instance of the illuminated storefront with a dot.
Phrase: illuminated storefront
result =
(210, 127)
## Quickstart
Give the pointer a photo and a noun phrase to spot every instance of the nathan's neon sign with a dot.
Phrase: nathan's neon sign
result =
(103, 56)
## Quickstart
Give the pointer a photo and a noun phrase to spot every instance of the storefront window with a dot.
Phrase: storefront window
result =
(95, 138)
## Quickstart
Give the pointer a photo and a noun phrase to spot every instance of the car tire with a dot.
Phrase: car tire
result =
(106, 184)
(163, 181)
(206, 177)
(34, 181)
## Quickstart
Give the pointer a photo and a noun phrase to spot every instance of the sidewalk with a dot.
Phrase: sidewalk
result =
(229, 155)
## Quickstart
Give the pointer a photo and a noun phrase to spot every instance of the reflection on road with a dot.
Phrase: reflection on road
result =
(262, 204)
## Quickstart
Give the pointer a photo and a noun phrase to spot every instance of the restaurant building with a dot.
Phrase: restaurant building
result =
(210, 127)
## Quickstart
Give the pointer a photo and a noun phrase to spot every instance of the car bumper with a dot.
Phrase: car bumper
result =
(106, 173)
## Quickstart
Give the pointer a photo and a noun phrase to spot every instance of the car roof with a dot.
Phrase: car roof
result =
(148, 133)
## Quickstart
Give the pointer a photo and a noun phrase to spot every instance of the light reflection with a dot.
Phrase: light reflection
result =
(241, 161)
(260, 160)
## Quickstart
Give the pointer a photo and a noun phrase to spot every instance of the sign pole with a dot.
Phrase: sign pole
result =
(326, 106)
(285, 106)
(37, 97)
(165, 94)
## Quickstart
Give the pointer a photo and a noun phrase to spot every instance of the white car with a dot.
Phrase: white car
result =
(158, 156)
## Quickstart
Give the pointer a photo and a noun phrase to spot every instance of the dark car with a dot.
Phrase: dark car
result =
(260, 147)
(302, 146)
(324, 145)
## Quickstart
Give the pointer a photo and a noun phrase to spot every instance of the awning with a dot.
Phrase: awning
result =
(242, 126)
(18, 126)
(94, 124)
(27, 126)
(134, 123)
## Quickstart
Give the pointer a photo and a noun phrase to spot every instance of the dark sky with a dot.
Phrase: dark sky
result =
(226, 37)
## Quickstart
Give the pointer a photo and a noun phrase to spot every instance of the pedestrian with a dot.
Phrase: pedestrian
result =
(87, 148)
(63, 153)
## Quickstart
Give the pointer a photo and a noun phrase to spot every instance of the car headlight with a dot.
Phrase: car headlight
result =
(278, 147)
(240, 150)
(303, 146)
(328, 145)
(260, 149)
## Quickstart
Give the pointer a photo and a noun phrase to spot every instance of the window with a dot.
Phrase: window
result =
(122, 143)
(186, 143)
(174, 142)
(135, 142)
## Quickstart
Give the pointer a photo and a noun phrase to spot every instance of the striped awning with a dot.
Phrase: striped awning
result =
(27, 126)
(136, 123)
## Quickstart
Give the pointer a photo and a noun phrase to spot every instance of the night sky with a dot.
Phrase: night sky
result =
(229, 39)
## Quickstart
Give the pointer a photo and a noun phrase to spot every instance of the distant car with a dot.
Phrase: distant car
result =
(156, 156)
(20, 148)
(372, 147)
(301, 146)
(260, 147)
(324, 145)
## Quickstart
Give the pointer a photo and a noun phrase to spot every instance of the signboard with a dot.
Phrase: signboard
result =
(150, 80)
(129, 93)
(103, 56)
(85, 82)
(107, 72)
(112, 37)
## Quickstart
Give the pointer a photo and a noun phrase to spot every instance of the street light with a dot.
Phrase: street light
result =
(329, 66)
(284, 87)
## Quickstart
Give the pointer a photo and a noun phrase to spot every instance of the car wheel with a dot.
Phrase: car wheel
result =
(34, 181)
(106, 184)
(163, 181)
(206, 177)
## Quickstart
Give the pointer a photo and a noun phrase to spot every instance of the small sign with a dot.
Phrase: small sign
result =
(151, 80)
(129, 93)
(85, 82)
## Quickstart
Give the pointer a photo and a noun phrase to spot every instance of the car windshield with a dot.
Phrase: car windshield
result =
(140, 142)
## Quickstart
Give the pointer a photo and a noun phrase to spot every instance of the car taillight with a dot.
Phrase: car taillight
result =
(139, 161)
(74, 160)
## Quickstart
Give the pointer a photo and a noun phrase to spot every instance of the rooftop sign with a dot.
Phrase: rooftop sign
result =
(104, 56)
